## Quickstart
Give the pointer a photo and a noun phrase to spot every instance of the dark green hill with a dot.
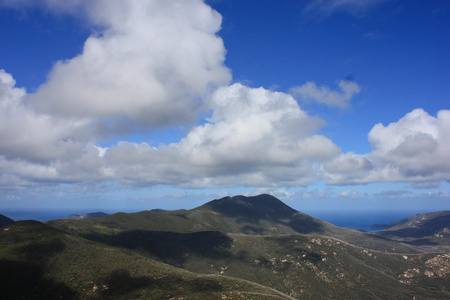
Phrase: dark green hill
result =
(96, 215)
(260, 215)
(422, 225)
(251, 208)
(269, 254)
(4, 220)
(263, 214)
(38, 261)
(317, 267)
(421, 229)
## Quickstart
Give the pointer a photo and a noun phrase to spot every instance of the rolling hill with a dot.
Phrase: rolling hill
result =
(230, 248)
(260, 215)
(421, 229)
(96, 215)
(38, 261)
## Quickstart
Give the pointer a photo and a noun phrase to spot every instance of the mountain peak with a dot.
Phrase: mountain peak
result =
(255, 207)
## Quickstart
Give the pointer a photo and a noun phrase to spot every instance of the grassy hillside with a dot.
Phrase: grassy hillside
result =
(95, 215)
(258, 215)
(422, 229)
(38, 261)
(217, 251)
(311, 266)
(316, 267)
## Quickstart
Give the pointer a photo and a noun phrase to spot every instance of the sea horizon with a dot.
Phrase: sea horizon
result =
(361, 220)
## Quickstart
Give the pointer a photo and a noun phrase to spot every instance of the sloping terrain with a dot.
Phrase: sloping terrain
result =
(421, 229)
(38, 261)
(4, 220)
(231, 248)
(95, 215)
(260, 215)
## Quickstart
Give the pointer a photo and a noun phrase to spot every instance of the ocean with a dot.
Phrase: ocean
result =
(362, 220)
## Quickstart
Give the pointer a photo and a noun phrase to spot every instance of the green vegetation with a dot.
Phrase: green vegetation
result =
(216, 251)
(40, 262)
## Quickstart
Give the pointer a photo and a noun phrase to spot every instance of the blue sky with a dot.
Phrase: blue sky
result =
(133, 105)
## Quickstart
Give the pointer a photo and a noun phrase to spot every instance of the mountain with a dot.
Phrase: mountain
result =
(427, 228)
(4, 220)
(251, 208)
(230, 248)
(257, 215)
(95, 215)
(262, 214)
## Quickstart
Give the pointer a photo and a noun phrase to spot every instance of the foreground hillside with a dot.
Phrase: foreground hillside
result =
(231, 248)
(39, 262)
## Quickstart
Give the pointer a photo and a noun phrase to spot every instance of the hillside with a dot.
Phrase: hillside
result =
(230, 248)
(95, 215)
(4, 220)
(38, 261)
(421, 229)
(257, 215)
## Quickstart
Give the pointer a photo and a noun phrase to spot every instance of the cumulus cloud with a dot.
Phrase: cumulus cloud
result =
(311, 92)
(417, 146)
(415, 149)
(348, 168)
(38, 146)
(156, 64)
(148, 64)
(253, 137)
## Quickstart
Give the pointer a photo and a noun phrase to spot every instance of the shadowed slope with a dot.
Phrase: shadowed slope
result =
(422, 229)
(251, 208)
(38, 261)
(421, 225)
(262, 214)
(4, 220)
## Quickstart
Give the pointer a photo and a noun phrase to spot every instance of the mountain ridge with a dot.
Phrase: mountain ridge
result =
(426, 228)
(165, 254)
(229, 215)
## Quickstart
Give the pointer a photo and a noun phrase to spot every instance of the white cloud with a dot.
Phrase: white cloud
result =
(414, 149)
(417, 146)
(311, 92)
(148, 66)
(40, 147)
(328, 7)
(425, 185)
(254, 137)
(394, 194)
(348, 168)
(350, 194)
